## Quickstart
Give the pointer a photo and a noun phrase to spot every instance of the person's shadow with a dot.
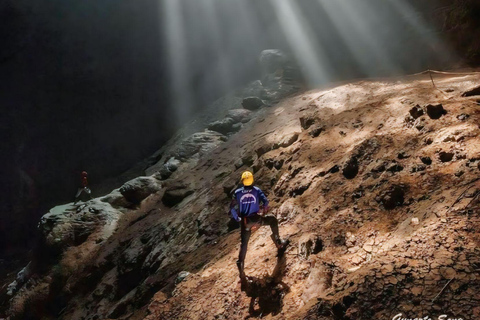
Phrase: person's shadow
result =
(268, 291)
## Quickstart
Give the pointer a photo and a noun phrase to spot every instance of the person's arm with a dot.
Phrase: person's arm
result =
(234, 209)
(263, 200)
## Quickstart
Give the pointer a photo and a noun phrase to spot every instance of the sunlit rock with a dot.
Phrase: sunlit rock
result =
(240, 115)
(136, 190)
(224, 126)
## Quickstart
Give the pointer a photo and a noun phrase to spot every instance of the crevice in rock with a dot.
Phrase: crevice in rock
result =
(392, 198)
(350, 170)
(472, 92)
(445, 156)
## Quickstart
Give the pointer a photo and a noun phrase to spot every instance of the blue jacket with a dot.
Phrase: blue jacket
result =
(246, 202)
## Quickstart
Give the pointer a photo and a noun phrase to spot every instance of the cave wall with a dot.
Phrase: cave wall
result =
(79, 78)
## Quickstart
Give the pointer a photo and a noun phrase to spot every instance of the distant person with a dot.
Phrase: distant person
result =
(246, 208)
(84, 188)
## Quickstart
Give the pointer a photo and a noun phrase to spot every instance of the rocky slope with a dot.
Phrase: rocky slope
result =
(376, 183)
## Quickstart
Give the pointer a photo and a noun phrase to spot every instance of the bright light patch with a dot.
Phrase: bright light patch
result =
(177, 56)
(303, 42)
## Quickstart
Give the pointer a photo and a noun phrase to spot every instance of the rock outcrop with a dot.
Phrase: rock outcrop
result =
(382, 206)
(136, 190)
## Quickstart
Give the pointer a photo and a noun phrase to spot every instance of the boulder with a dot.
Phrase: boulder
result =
(272, 60)
(168, 169)
(416, 112)
(435, 111)
(254, 89)
(136, 190)
(240, 115)
(175, 194)
(252, 103)
(200, 142)
(224, 126)
(286, 140)
(116, 199)
(280, 75)
(68, 225)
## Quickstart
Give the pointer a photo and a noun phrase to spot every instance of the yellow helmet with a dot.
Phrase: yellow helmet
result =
(247, 178)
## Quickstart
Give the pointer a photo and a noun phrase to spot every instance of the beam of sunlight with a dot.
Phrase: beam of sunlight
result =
(355, 15)
(250, 26)
(177, 58)
(302, 41)
(354, 43)
(422, 29)
(221, 71)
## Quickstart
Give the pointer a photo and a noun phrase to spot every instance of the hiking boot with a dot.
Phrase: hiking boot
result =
(280, 244)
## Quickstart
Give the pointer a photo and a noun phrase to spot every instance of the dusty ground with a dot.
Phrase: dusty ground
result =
(374, 262)
(382, 208)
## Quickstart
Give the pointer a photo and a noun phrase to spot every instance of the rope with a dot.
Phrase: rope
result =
(429, 71)
(435, 86)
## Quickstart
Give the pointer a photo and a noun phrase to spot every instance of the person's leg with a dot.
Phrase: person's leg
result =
(273, 223)
(245, 237)
(77, 196)
(89, 192)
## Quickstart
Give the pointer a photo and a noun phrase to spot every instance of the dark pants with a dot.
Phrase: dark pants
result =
(246, 231)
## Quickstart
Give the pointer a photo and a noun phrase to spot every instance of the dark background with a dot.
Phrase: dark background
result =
(84, 85)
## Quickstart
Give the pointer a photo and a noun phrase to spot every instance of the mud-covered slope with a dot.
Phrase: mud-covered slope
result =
(382, 208)
(375, 183)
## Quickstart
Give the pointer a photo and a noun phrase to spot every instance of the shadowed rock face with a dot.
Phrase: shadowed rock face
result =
(175, 194)
(252, 103)
(473, 92)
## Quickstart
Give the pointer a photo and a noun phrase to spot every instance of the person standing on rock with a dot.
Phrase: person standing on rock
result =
(84, 188)
(246, 208)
